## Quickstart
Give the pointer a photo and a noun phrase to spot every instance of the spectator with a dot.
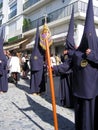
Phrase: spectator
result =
(58, 60)
(14, 67)
(52, 59)
(25, 66)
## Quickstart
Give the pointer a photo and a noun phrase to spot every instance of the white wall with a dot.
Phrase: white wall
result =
(78, 34)
(13, 26)
(20, 6)
(5, 11)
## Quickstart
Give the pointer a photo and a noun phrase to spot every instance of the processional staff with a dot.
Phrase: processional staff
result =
(45, 42)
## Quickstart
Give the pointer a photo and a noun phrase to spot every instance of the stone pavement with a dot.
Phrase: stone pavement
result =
(20, 110)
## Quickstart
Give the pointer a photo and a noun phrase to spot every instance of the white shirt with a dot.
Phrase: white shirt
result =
(53, 61)
(13, 64)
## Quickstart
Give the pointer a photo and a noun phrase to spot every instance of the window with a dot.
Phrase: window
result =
(13, 10)
(14, 7)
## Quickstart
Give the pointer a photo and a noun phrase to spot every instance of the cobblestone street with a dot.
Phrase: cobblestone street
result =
(20, 110)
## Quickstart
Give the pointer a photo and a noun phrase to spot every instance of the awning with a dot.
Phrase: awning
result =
(14, 46)
(57, 36)
(30, 45)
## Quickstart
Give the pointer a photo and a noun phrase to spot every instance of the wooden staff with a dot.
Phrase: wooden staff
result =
(51, 84)
(45, 42)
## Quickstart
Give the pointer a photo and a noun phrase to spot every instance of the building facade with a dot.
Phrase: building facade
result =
(19, 18)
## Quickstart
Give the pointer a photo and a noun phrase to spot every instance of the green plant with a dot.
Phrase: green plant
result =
(26, 23)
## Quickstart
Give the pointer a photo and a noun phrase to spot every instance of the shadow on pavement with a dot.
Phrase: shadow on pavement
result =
(27, 116)
(46, 115)
(47, 94)
(23, 87)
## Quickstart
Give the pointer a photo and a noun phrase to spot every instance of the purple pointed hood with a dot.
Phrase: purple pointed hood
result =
(37, 56)
(70, 36)
(89, 38)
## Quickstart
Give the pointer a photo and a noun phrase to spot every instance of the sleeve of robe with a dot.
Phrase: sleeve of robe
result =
(62, 68)
(93, 57)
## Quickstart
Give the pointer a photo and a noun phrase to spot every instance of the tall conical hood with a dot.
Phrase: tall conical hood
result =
(36, 45)
(70, 36)
(2, 55)
(37, 55)
(1, 38)
(89, 35)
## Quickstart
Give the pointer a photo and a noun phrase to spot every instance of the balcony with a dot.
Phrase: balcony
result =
(12, 1)
(12, 14)
(29, 3)
(79, 7)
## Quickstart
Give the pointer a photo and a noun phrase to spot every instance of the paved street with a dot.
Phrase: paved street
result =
(20, 110)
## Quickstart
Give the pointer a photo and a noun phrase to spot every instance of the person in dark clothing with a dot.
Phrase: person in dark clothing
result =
(66, 96)
(86, 74)
(26, 67)
(37, 80)
(84, 63)
(3, 66)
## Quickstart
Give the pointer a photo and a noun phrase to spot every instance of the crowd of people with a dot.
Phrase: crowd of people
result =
(17, 64)
(77, 68)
